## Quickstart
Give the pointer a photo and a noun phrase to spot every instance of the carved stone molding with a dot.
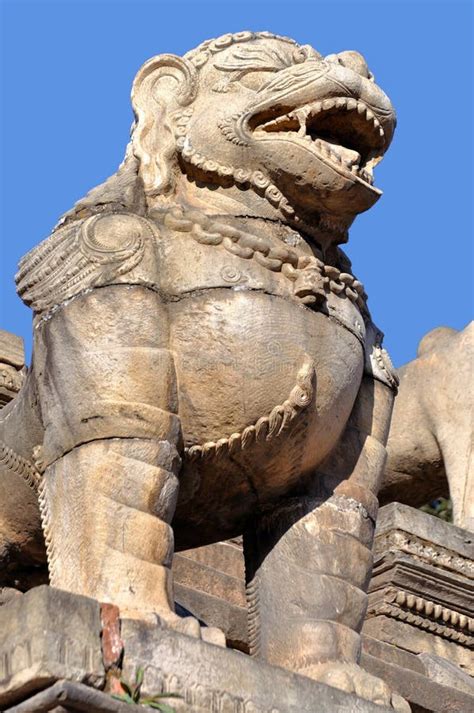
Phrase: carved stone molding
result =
(12, 366)
(422, 587)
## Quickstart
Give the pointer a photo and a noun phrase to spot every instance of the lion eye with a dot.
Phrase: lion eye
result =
(301, 54)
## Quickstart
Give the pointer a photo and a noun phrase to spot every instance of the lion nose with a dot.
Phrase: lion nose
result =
(352, 60)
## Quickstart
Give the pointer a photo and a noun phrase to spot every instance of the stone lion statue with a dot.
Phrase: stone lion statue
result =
(204, 361)
(431, 433)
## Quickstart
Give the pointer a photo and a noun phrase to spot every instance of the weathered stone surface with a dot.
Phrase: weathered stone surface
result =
(69, 697)
(414, 639)
(46, 635)
(210, 679)
(405, 538)
(453, 547)
(446, 673)
(431, 434)
(205, 364)
(423, 693)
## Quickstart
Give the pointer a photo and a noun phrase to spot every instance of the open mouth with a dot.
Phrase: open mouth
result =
(344, 132)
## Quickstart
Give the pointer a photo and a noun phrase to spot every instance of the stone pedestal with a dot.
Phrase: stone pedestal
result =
(418, 632)
(57, 650)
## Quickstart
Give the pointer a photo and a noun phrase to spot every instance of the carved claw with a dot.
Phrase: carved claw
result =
(188, 625)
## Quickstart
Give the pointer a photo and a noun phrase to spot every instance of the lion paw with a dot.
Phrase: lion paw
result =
(353, 679)
(187, 624)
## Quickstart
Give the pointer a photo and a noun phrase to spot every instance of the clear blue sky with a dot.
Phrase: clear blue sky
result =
(67, 67)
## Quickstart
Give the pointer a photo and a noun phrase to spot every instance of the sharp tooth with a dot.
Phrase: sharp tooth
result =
(351, 104)
(370, 115)
(381, 132)
(328, 104)
(315, 109)
(376, 123)
(300, 115)
(340, 103)
(360, 108)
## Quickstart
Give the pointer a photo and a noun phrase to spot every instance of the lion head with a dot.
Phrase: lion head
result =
(258, 113)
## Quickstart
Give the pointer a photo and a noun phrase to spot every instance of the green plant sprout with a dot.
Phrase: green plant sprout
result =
(132, 695)
(441, 507)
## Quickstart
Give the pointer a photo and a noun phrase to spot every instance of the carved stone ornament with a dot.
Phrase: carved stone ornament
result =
(205, 365)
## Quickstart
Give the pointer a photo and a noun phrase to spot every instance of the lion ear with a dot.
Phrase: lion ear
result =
(162, 85)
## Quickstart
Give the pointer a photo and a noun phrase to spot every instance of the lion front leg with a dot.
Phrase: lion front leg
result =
(308, 561)
(112, 437)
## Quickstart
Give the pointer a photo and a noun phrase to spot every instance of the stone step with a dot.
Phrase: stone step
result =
(224, 556)
(214, 611)
(206, 578)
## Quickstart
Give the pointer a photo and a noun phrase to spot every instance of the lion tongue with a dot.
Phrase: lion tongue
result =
(343, 154)
(348, 156)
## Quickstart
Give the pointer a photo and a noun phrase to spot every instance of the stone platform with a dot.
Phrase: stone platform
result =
(62, 652)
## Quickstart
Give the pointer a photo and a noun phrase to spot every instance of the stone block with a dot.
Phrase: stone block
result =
(409, 675)
(427, 529)
(214, 680)
(51, 645)
(411, 638)
(46, 635)
(72, 697)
